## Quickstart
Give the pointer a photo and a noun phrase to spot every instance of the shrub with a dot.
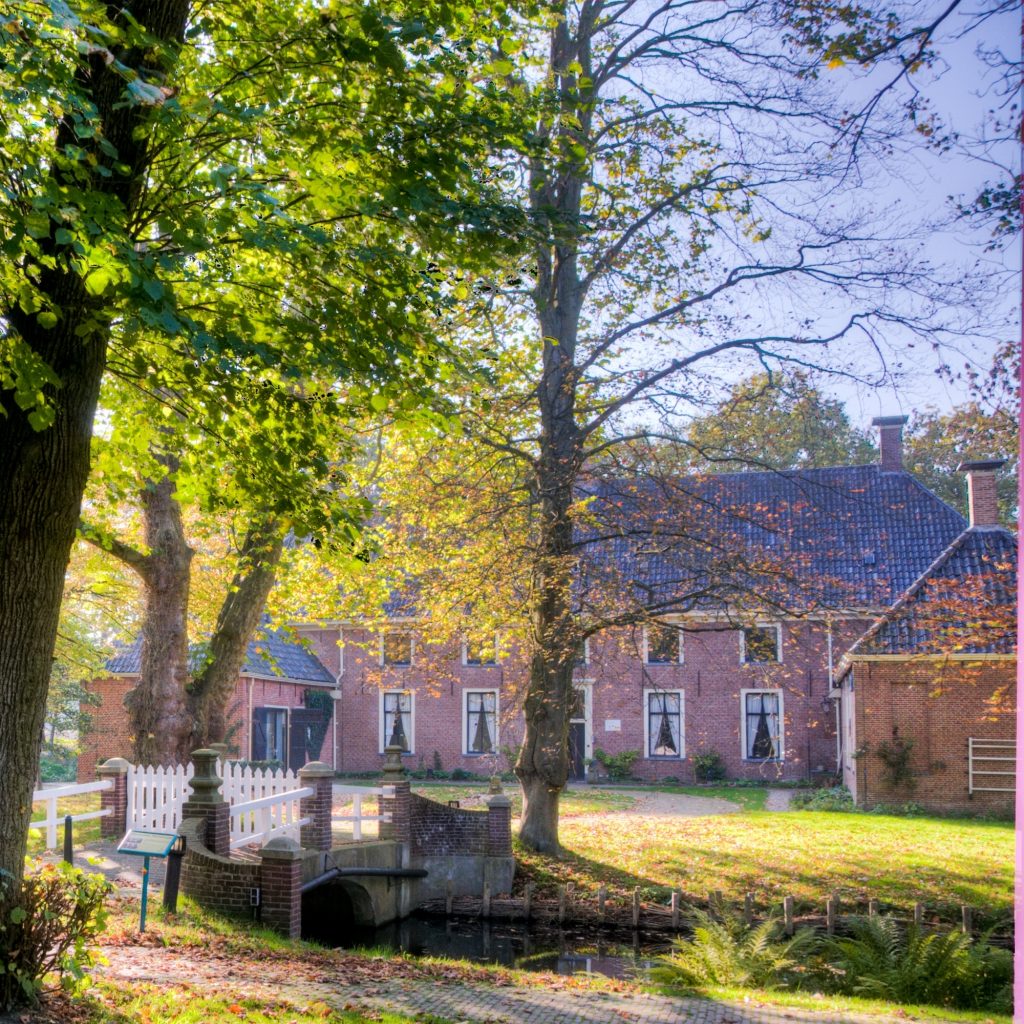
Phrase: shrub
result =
(618, 766)
(838, 798)
(708, 766)
(460, 775)
(731, 952)
(882, 960)
(895, 756)
(59, 911)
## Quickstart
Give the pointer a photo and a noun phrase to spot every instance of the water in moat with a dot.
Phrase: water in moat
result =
(567, 950)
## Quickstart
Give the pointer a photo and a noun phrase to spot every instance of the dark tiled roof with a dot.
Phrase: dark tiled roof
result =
(271, 655)
(964, 603)
(848, 537)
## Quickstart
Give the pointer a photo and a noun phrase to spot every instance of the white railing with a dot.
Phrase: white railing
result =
(51, 797)
(254, 821)
(991, 766)
(357, 818)
(263, 802)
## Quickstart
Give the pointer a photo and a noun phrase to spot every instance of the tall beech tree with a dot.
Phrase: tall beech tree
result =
(682, 180)
(181, 187)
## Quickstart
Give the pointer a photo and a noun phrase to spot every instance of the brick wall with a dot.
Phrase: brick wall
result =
(711, 678)
(221, 884)
(439, 830)
(108, 734)
(938, 705)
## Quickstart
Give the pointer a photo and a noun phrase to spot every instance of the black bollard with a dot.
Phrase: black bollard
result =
(69, 841)
(173, 876)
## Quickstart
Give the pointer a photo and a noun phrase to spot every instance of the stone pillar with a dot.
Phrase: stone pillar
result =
(320, 777)
(280, 886)
(115, 824)
(499, 821)
(398, 806)
(206, 802)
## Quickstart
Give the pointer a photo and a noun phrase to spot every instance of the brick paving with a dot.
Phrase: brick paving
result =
(457, 1000)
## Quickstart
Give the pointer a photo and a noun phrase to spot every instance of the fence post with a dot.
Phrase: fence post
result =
(280, 886)
(748, 908)
(398, 806)
(115, 824)
(787, 914)
(636, 907)
(830, 915)
(675, 911)
(319, 777)
(205, 801)
(918, 915)
(528, 900)
(499, 821)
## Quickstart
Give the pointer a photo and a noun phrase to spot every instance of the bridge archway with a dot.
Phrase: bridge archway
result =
(335, 908)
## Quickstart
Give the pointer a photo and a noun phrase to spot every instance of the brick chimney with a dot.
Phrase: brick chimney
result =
(982, 497)
(890, 441)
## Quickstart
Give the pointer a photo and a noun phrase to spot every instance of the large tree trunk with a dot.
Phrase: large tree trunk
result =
(556, 185)
(237, 621)
(158, 709)
(45, 470)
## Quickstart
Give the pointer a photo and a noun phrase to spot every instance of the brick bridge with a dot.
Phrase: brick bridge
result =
(424, 851)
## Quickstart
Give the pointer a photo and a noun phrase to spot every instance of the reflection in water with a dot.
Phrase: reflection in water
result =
(616, 954)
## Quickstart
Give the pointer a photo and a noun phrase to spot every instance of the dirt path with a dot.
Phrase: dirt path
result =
(669, 805)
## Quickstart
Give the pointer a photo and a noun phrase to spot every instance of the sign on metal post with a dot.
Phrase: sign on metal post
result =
(143, 844)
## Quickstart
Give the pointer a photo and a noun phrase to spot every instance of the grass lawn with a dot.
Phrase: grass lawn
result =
(899, 861)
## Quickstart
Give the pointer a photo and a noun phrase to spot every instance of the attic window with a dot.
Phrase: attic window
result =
(760, 644)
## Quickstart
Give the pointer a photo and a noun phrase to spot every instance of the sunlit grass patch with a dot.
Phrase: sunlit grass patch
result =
(83, 831)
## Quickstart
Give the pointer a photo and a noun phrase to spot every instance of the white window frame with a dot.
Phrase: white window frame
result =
(743, 725)
(381, 737)
(777, 626)
(680, 653)
(479, 664)
(412, 648)
(465, 721)
(648, 693)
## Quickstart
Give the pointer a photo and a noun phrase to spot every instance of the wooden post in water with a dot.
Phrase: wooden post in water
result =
(636, 907)
(675, 911)
(561, 904)
(485, 903)
(748, 908)
(787, 914)
(449, 896)
(528, 901)
(966, 919)
(918, 915)
(602, 896)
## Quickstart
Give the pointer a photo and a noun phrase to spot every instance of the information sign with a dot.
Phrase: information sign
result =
(146, 844)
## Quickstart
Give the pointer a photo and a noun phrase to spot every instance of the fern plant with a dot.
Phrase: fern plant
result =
(882, 960)
(731, 952)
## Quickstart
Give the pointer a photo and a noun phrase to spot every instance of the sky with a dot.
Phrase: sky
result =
(961, 89)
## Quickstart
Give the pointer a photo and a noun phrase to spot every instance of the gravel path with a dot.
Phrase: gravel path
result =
(778, 799)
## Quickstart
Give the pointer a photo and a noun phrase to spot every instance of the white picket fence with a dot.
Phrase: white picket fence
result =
(52, 797)
(263, 802)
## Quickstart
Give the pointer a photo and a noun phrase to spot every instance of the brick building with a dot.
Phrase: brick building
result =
(835, 547)
(928, 693)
